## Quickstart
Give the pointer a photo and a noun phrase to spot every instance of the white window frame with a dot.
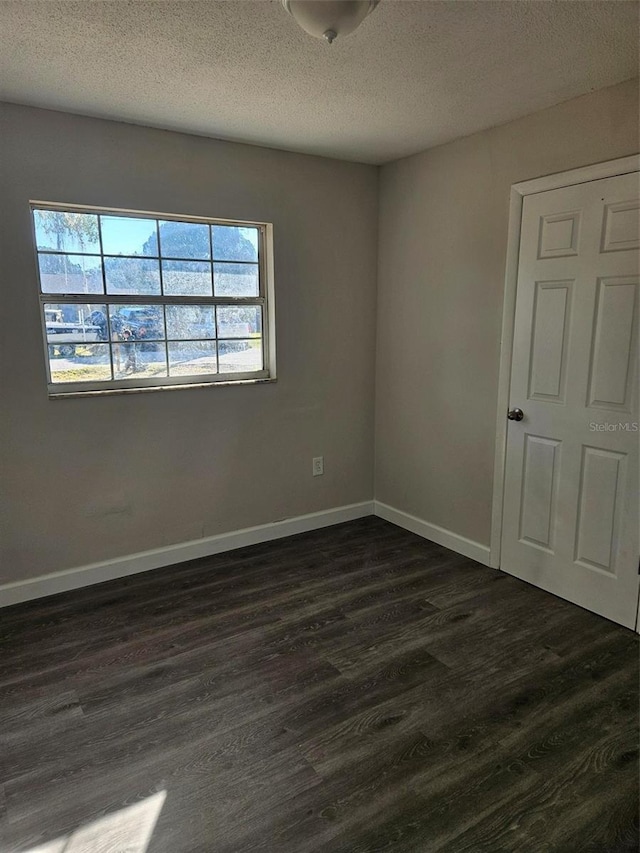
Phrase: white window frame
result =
(265, 299)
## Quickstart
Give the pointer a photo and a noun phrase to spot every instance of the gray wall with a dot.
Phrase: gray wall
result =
(442, 245)
(85, 480)
(89, 479)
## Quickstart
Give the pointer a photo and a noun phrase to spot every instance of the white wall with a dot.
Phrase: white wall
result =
(85, 480)
(442, 245)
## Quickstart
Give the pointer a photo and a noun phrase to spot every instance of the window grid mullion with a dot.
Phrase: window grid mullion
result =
(217, 339)
(106, 304)
(102, 266)
(166, 340)
(134, 299)
(213, 285)
(159, 259)
(146, 257)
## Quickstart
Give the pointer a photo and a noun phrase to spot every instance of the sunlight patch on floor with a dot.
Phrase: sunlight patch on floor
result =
(128, 830)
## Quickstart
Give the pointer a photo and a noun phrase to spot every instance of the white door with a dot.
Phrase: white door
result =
(570, 522)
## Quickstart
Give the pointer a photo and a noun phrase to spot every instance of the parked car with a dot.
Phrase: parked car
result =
(65, 335)
(145, 323)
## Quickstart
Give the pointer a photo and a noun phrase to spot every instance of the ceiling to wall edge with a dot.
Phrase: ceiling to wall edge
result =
(296, 151)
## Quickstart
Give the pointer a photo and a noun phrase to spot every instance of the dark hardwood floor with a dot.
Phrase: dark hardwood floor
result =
(352, 689)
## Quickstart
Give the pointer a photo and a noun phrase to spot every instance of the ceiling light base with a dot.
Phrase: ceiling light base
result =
(329, 19)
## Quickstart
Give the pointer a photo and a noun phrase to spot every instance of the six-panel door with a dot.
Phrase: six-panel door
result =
(570, 522)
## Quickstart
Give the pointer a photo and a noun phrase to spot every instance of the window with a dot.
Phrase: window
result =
(133, 300)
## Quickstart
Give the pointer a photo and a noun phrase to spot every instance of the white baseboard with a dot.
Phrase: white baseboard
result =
(453, 541)
(14, 593)
(19, 591)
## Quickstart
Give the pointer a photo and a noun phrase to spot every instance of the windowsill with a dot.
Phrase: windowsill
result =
(108, 392)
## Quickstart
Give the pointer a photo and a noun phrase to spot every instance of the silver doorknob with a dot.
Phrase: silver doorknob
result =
(515, 414)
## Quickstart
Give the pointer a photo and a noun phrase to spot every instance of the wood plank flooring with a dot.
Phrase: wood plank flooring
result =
(350, 690)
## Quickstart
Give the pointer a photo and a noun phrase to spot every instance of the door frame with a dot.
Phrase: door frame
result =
(583, 175)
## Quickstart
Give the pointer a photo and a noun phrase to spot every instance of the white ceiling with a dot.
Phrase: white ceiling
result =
(414, 75)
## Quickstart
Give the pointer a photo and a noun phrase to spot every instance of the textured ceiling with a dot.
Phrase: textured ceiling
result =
(414, 75)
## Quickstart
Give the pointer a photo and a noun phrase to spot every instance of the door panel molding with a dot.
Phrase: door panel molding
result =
(541, 459)
(600, 493)
(549, 333)
(611, 357)
(519, 191)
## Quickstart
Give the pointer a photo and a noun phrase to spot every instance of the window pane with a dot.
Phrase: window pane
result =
(234, 243)
(135, 359)
(239, 321)
(72, 327)
(236, 279)
(137, 323)
(70, 274)
(123, 235)
(192, 358)
(190, 321)
(240, 356)
(64, 231)
(132, 276)
(184, 240)
(88, 363)
(186, 278)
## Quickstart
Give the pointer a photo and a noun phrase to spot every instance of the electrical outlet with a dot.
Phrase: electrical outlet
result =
(318, 466)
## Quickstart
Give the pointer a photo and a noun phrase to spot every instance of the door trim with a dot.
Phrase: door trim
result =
(609, 169)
